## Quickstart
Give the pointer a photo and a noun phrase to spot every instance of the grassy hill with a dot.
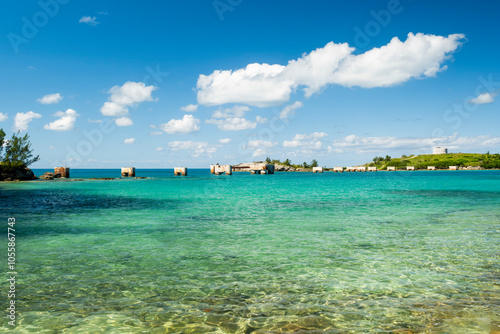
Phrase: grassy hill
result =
(441, 161)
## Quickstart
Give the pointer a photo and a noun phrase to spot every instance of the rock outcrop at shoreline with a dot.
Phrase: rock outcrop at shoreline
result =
(50, 176)
(24, 174)
(284, 168)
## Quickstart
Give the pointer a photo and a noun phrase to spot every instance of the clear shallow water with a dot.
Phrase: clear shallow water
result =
(290, 252)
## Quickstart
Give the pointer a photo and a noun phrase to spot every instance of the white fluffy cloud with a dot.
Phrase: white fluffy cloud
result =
(123, 121)
(306, 142)
(66, 122)
(190, 108)
(113, 109)
(3, 117)
(483, 98)
(129, 141)
(125, 96)
(159, 149)
(187, 124)
(260, 152)
(382, 144)
(50, 99)
(259, 146)
(261, 120)
(289, 110)
(197, 148)
(22, 119)
(225, 140)
(90, 20)
(231, 119)
(265, 85)
(233, 124)
(236, 111)
(130, 93)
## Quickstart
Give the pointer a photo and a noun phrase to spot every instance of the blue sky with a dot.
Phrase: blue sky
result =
(101, 84)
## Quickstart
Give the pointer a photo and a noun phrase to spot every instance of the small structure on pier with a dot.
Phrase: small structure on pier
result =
(391, 168)
(317, 169)
(350, 169)
(221, 169)
(431, 167)
(338, 169)
(128, 171)
(453, 167)
(257, 167)
(372, 169)
(410, 167)
(180, 171)
(63, 171)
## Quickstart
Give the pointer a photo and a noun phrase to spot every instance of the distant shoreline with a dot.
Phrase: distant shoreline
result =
(80, 179)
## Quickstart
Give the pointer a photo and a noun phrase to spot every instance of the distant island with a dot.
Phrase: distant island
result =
(463, 161)
(440, 161)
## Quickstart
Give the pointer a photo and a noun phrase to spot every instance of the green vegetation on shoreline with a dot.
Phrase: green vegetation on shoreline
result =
(288, 162)
(15, 157)
(440, 161)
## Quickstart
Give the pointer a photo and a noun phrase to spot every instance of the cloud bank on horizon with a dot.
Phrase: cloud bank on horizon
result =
(265, 85)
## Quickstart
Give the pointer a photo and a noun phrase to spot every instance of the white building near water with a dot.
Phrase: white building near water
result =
(440, 150)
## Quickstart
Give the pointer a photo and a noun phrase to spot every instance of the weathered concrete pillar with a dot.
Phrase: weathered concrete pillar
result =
(361, 169)
(180, 171)
(270, 169)
(64, 171)
(372, 169)
(431, 167)
(128, 171)
(338, 169)
(317, 169)
(453, 167)
(410, 167)
(212, 169)
(391, 168)
(224, 169)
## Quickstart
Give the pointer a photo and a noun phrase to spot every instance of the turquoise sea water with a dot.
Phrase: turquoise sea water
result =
(400, 252)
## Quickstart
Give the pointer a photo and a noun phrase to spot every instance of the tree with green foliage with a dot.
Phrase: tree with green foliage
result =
(18, 152)
(314, 163)
(268, 160)
(2, 139)
(287, 162)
